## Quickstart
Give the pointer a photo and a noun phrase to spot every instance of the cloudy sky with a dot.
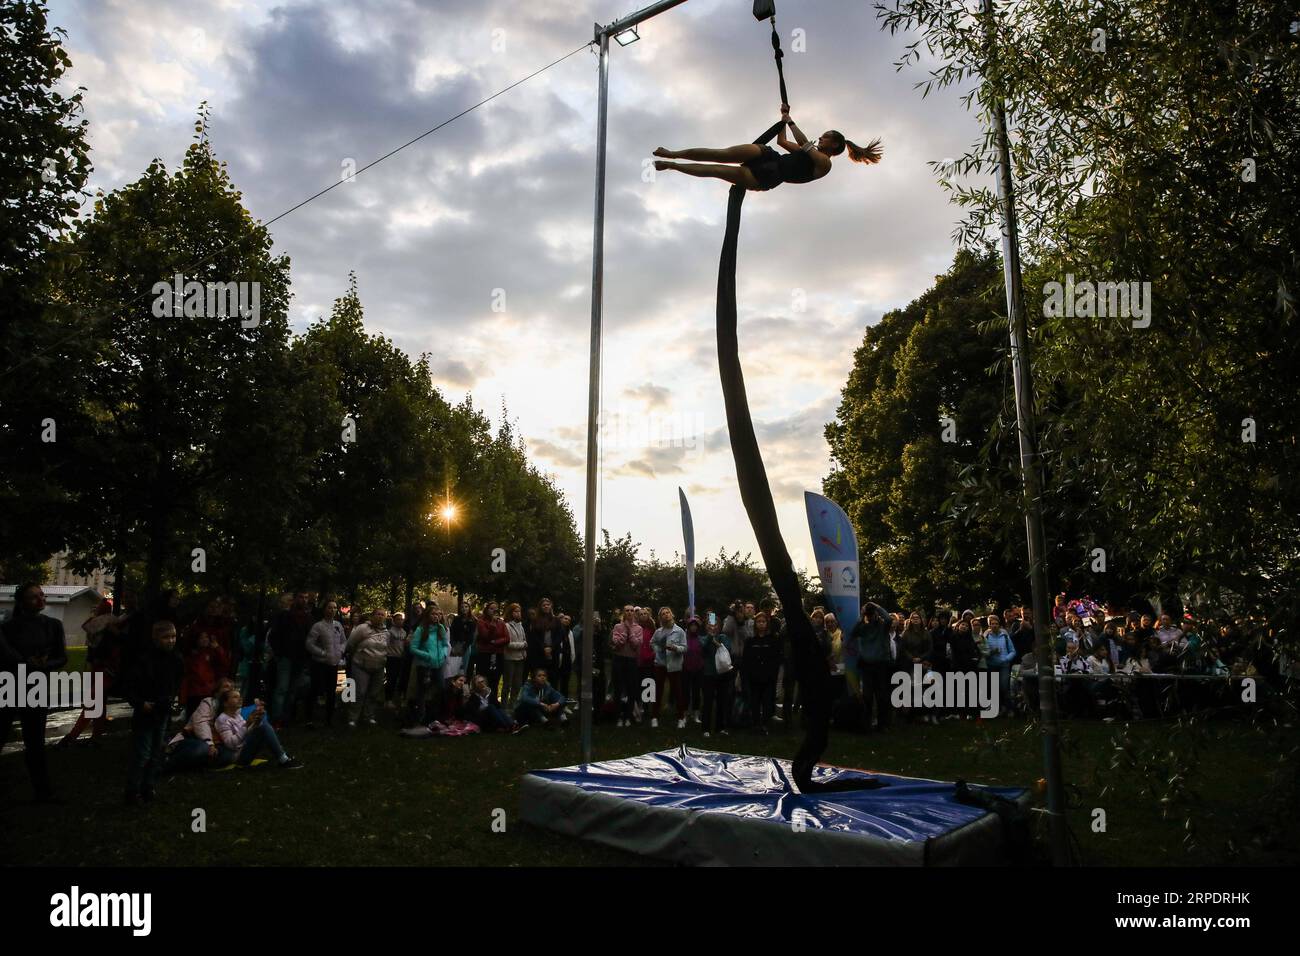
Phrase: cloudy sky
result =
(475, 244)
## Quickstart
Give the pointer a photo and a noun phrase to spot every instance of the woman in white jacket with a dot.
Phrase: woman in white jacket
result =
(368, 644)
(669, 643)
(516, 654)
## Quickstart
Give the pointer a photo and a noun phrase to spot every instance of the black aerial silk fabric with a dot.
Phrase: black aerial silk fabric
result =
(811, 668)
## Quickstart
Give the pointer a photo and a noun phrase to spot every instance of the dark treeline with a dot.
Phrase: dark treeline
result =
(1156, 153)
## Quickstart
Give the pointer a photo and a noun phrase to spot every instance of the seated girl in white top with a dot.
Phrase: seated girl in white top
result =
(245, 737)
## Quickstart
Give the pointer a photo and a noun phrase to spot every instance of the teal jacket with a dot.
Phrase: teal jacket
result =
(247, 645)
(430, 649)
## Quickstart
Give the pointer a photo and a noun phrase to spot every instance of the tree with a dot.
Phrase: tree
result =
(175, 380)
(42, 182)
(912, 427)
(1152, 142)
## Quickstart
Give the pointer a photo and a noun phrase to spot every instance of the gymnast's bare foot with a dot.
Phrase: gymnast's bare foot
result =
(660, 164)
(665, 153)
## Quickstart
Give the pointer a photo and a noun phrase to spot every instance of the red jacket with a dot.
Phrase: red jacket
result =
(219, 630)
(492, 636)
(646, 656)
(203, 668)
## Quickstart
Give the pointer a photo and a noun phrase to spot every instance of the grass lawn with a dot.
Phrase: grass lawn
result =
(370, 797)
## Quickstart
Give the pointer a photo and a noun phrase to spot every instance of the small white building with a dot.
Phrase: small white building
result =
(59, 573)
(71, 604)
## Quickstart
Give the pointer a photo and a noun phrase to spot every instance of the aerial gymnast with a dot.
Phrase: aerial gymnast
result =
(759, 167)
(756, 166)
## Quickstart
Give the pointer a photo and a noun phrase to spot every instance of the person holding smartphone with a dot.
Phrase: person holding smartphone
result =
(875, 661)
(246, 736)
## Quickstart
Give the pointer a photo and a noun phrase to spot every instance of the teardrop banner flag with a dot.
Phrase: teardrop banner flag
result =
(835, 549)
(688, 533)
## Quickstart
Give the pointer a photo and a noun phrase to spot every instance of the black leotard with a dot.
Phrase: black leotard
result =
(771, 169)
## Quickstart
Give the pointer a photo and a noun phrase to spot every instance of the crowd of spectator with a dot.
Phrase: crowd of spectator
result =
(227, 691)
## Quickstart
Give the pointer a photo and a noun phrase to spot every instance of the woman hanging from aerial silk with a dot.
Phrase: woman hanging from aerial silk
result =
(759, 167)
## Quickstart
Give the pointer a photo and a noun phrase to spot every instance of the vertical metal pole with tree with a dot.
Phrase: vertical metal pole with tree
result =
(1058, 835)
(622, 30)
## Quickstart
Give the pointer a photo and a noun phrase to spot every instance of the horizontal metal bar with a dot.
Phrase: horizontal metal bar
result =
(632, 19)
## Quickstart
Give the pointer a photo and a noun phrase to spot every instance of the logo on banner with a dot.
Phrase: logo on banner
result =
(840, 578)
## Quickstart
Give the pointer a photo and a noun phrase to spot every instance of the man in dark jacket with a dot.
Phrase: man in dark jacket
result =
(36, 641)
(940, 643)
(288, 639)
(875, 663)
(151, 686)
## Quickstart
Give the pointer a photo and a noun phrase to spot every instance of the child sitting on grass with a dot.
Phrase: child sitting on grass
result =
(245, 737)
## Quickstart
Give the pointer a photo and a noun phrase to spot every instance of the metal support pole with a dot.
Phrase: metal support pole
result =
(602, 35)
(593, 401)
(1058, 834)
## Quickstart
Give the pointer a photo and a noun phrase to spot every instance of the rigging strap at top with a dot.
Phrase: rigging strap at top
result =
(766, 10)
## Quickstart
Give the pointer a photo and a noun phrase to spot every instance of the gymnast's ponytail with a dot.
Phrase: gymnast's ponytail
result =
(869, 154)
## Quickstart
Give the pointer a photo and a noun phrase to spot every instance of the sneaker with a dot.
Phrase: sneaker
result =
(519, 728)
(352, 723)
(654, 721)
(681, 723)
(290, 763)
(696, 718)
(706, 733)
(724, 733)
(372, 721)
